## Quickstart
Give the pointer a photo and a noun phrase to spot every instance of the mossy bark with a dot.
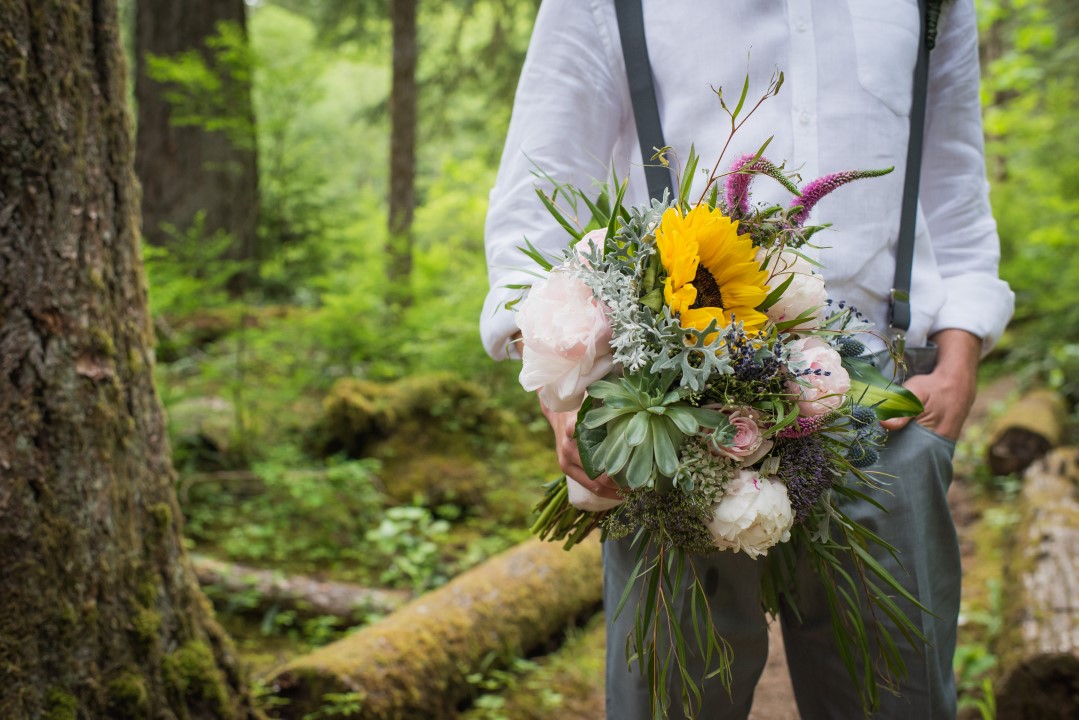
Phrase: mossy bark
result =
(1039, 649)
(100, 614)
(305, 596)
(415, 663)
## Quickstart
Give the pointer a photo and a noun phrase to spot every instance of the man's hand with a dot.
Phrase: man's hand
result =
(948, 392)
(564, 424)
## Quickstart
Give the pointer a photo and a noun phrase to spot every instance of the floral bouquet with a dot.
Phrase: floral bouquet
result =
(722, 391)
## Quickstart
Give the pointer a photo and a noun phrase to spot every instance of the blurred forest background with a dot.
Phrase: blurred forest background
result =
(315, 175)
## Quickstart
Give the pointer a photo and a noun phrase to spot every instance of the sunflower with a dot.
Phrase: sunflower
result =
(712, 271)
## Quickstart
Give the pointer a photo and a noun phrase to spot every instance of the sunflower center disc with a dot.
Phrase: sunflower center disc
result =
(708, 294)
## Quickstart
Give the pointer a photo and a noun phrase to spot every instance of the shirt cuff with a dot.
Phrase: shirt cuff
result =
(980, 304)
(498, 325)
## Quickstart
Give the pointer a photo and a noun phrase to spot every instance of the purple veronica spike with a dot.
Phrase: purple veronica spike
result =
(815, 190)
(742, 172)
(806, 426)
(736, 188)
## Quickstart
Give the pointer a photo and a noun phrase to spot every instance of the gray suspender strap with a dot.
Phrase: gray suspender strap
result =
(642, 93)
(899, 306)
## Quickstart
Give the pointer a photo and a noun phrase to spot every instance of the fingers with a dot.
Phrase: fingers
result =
(945, 406)
(894, 424)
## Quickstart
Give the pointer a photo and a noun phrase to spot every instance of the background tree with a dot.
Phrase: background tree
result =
(433, 66)
(402, 196)
(196, 150)
(100, 614)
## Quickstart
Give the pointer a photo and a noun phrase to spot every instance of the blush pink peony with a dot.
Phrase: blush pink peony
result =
(567, 340)
(823, 388)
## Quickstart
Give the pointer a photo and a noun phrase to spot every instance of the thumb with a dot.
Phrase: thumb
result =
(894, 424)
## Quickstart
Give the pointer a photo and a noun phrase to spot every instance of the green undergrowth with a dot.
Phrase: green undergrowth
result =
(567, 683)
(336, 521)
(985, 524)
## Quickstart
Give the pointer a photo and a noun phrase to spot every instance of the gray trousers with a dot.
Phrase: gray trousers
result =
(918, 523)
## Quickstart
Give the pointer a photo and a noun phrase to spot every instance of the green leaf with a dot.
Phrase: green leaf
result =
(704, 417)
(601, 217)
(713, 196)
(653, 300)
(805, 317)
(639, 471)
(685, 421)
(868, 386)
(536, 256)
(637, 429)
(603, 415)
(886, 576)
(588, 442)
(551, 208)
(665, 452)
(776, 294)
(617, 455)
(617, 207)
(602, 389)
(687, 175)
(741, 100)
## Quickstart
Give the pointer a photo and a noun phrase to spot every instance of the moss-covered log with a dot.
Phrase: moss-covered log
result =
(100, 613)
(307, 596)
(1041, 652)
(431, 432)
(1028, 430)
(414, 664)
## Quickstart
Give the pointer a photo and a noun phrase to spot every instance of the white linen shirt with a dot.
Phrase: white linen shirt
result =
(845, 104)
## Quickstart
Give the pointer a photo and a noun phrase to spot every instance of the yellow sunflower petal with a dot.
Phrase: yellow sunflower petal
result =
(679, 300)
(706, 237)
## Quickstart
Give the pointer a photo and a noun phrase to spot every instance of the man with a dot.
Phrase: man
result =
(845, 104)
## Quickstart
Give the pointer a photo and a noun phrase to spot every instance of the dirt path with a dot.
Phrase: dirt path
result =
(774, 698)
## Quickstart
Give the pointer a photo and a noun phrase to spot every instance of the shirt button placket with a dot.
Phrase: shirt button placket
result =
(802, 80)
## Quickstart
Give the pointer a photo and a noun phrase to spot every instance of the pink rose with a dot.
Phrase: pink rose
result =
(567, 340)
(824, 387)
(748, 445)
(806, 291)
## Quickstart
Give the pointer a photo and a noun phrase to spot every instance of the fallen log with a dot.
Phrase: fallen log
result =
(1026, 431)
(1040, 654)
(308, 596)
(415, 663)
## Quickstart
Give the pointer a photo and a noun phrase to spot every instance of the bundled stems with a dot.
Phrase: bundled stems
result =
(558, 520)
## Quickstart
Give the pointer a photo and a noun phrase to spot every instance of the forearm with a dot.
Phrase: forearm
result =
(958, 352)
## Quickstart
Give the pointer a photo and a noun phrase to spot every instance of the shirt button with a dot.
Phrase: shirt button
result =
(804, 118)
(801, 26)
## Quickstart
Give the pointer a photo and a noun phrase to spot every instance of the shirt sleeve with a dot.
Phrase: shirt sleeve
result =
(954, 192)
(567, 114)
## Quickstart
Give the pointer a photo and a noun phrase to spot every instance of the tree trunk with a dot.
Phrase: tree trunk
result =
(1040, 648)
(100, 614)
(402, 199)
(185, 170)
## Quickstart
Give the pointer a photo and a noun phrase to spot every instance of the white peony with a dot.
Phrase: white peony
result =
(567, 341)
(805, 292)
(753, 515)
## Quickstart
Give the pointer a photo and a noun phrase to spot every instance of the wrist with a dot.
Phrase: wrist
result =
(958, 354)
